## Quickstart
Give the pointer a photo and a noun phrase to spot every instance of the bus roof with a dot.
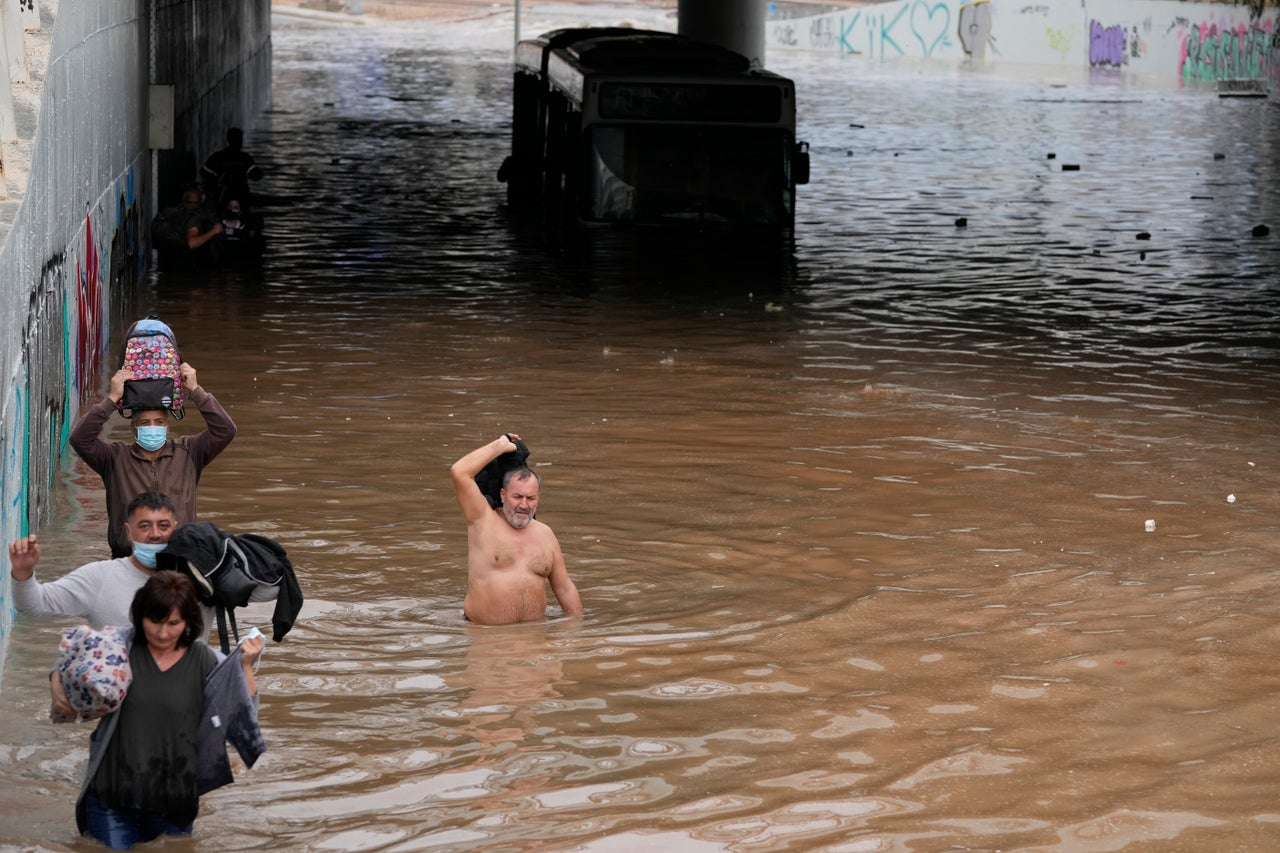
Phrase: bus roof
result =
(622, 50)
(648, 51)
(531, 54)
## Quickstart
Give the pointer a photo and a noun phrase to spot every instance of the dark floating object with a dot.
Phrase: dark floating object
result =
(962, 222)
(1144, 235)
(1070, 167)
(1142, 256)
(1218, 155)
(1051, 155)
(1261, 230)
(858, 126)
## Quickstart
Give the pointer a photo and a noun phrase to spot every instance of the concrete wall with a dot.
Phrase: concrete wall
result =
(1163, 38)
(77, 244)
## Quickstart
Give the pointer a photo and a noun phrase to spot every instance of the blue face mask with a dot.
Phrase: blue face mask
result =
(152, 437)
(146, 552)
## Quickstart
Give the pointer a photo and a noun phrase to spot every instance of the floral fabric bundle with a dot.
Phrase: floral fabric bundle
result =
(95, 673)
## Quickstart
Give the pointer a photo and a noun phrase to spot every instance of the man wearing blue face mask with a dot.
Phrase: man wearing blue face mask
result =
(101, 592)
(154, 461)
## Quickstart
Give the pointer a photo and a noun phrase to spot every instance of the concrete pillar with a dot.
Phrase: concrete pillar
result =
(14, 26)
(735, 24)
(8, 120)
(30, 14)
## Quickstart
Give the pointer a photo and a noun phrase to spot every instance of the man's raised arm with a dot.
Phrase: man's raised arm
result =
(472, 501)
(86, 436)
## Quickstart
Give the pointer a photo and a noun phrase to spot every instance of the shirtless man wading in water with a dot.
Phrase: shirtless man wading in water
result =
(511, 556)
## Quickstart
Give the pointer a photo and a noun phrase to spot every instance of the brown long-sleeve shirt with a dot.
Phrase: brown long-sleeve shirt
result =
(126, 472)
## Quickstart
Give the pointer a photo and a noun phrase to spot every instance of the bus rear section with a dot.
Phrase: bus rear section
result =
(617, 129)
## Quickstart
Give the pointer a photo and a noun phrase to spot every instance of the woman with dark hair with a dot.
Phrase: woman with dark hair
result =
(169, 592)
(150, 761)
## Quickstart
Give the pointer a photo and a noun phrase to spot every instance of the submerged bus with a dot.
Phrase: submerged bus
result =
(616, 127)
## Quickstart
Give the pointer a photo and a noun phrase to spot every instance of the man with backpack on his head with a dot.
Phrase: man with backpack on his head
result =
(154, 461)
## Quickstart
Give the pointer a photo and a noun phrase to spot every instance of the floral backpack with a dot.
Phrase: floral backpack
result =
(151, 352)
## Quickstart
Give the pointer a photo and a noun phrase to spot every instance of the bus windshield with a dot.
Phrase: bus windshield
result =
(671, 173)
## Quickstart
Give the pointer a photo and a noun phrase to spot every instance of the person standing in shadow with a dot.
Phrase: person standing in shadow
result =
(229, 170)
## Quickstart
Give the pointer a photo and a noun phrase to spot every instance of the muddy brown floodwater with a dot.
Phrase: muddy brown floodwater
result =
(862, 538)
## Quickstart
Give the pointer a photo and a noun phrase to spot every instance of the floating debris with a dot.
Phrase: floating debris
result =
(1242, 88)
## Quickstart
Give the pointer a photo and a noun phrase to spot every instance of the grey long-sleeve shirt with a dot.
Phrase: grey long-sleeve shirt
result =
(99, 593)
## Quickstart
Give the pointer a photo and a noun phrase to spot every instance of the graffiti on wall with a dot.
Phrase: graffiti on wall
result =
(46, 355)
(1114, 46)
(127, 261)
(1107, 45)
(918, 28)
(66, 340)
(90, 322)
(1138, 36)
(1242, 52)
(13, 516)
(103, 274)
(1061, 41)
(975, 27)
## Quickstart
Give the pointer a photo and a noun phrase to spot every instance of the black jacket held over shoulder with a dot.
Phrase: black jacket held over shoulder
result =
(230, 571)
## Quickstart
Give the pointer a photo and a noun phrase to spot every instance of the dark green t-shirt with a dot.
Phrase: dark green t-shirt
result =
(200, 219)
(150, 763)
